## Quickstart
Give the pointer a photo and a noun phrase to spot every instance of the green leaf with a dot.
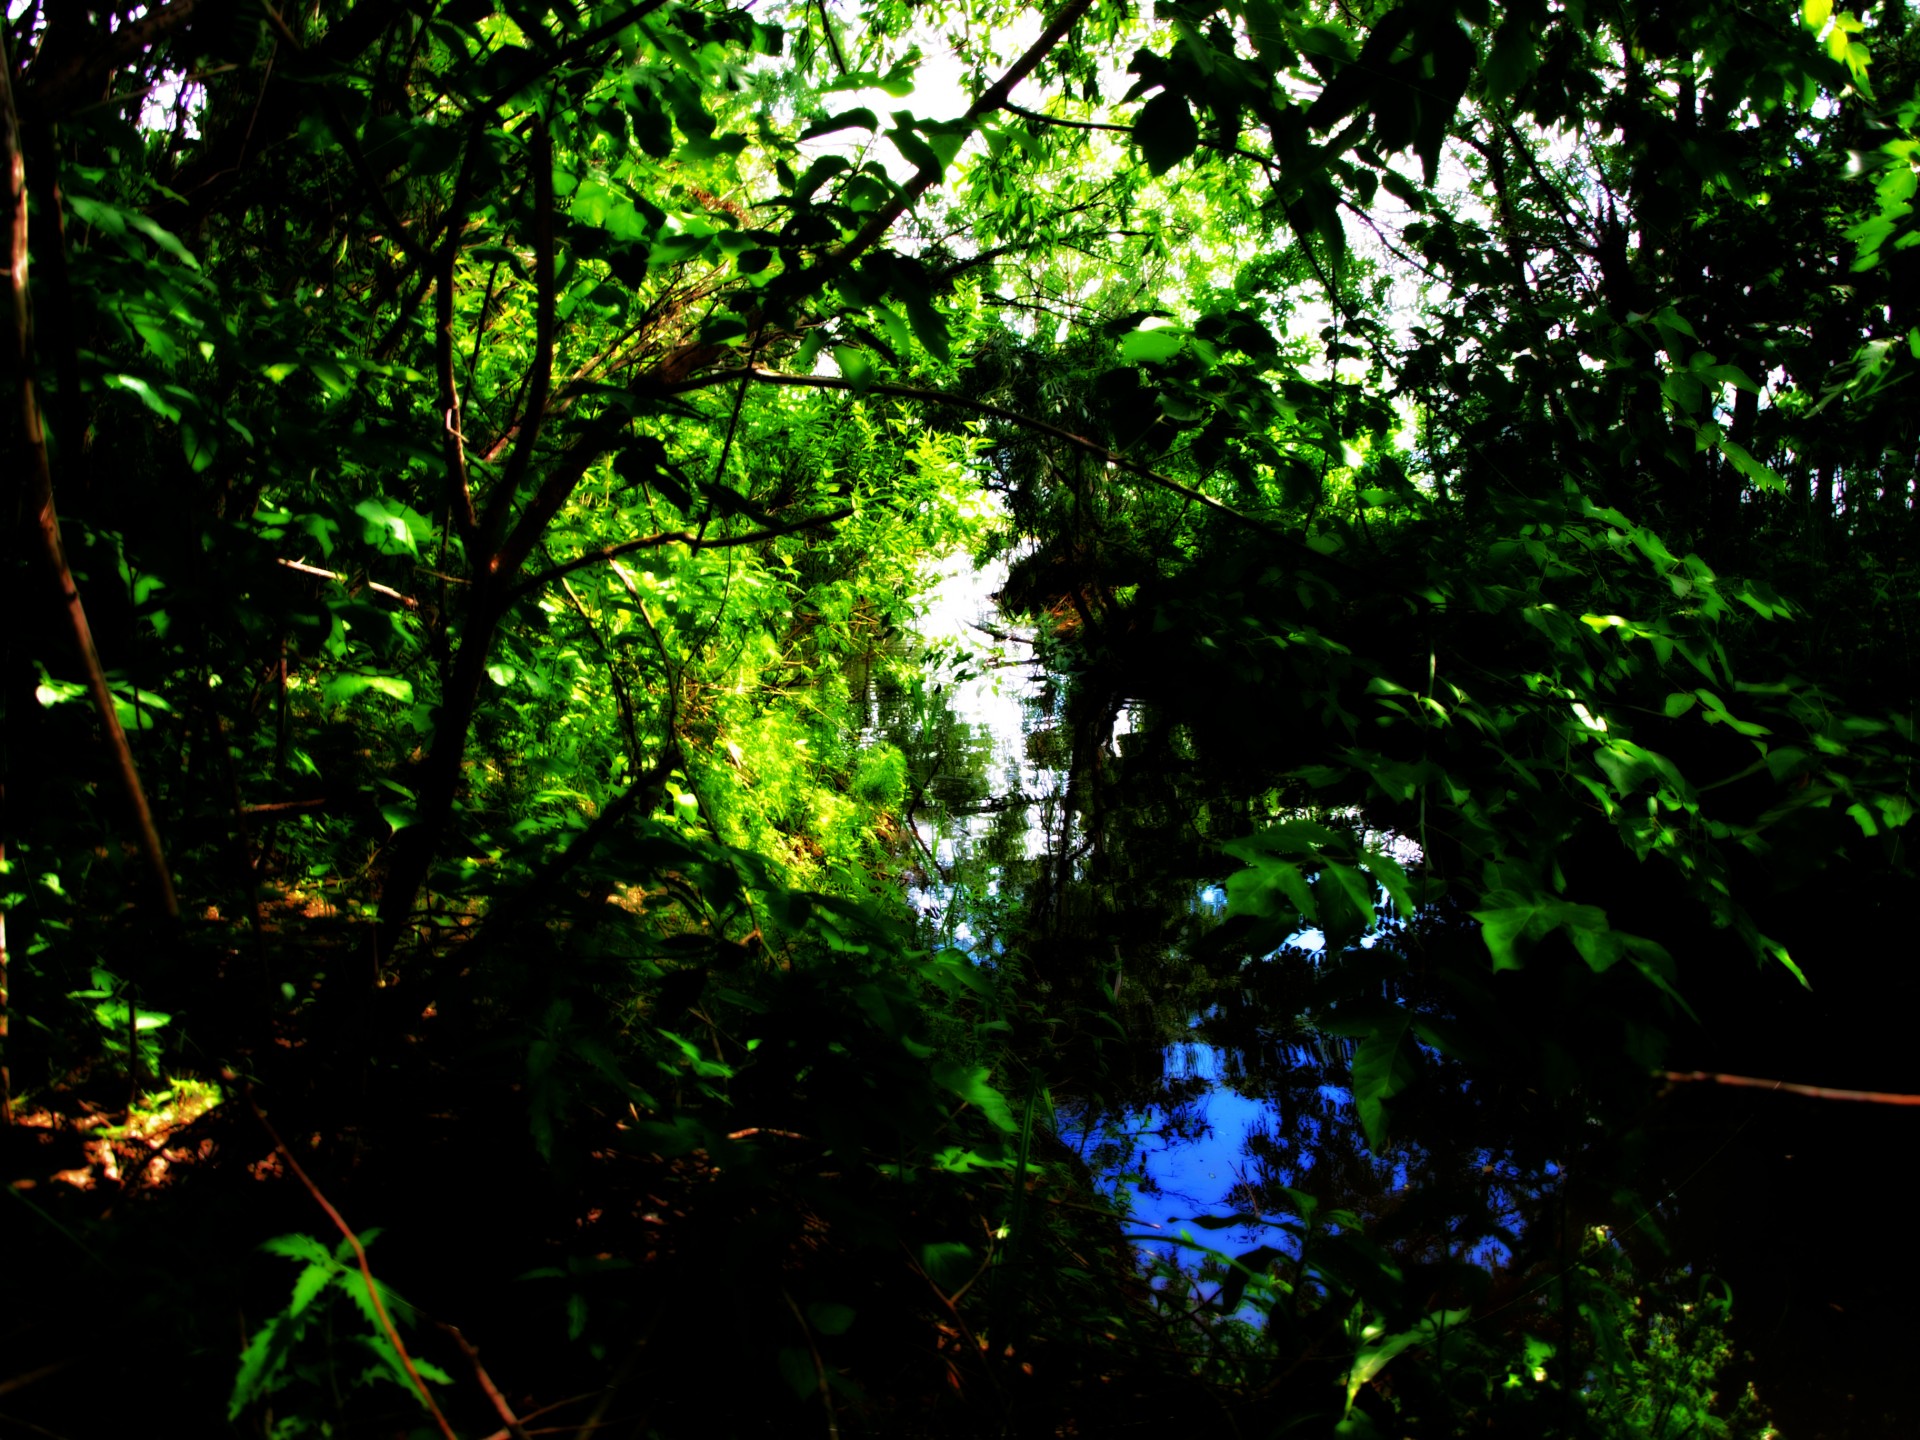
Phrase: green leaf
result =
(395, 528)
(970, 1084)
(796, 1367)
(948, 1263)
(117, 222)
(929, 328)
(856, 366)
(300, 1247)
(1165, 131)
(1382, 1068)
(345, 687)
(1161, 344)
(260, 1364)
(1515, 54)
(1508, 928)
(149, 397)
(1380, 1349)
(829, 1318)
(917, 152)
(857, 118)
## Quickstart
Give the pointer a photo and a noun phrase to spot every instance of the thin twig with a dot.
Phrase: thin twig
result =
(995, 97)
(500, 1405)
(1305, 554)
(676, 537)
(1266, 162)
(620, 695)
(322, 574)
(819, 1365)
(287, 807)
(454, 440)
(366, 1270)
(1817, 1092)
(613, 1387)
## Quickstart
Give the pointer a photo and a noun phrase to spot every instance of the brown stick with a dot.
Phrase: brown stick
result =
(40, 496)
(27, 1377)
(323, 574)
(287, 807)
(1818, 1092)
(500, 1405)
(359, 1254)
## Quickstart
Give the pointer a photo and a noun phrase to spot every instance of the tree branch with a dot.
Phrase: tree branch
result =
(1012, 417)
(40, 498)
(1265, 162)
(319, 573)
(675, 537)
(49, 94)
(1818, 1092)
(453, 440)
(995, 97)
(540, 384)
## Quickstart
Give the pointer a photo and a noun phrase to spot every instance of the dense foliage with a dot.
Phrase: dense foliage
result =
(471, 473)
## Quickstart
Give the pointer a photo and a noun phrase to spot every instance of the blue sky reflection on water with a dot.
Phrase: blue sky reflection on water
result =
(1232, 1128)
(1189, 1159)
(1217, 1151)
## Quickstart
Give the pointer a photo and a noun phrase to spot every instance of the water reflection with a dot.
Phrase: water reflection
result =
(1075, 845)
(1219, 1163)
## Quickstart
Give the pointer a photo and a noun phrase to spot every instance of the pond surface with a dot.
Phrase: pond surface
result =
(1216, 1101)
(1075, 840)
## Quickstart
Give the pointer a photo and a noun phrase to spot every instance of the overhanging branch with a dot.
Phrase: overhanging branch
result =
(1817, 1092)
(675, 537)
(1012, 417)
(994, 97)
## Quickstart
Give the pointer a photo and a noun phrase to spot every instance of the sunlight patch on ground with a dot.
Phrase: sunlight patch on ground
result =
(137, 1153)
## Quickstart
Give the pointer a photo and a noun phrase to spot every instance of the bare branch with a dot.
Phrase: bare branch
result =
(676, 537)
(1266, 162)
(50, 95)
(1818, 1092)
(1012, 417)
(40, 499)
(512, 1422)
(323, 574)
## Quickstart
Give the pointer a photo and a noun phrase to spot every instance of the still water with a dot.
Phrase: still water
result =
(1075, 840)
(1216, 1105)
